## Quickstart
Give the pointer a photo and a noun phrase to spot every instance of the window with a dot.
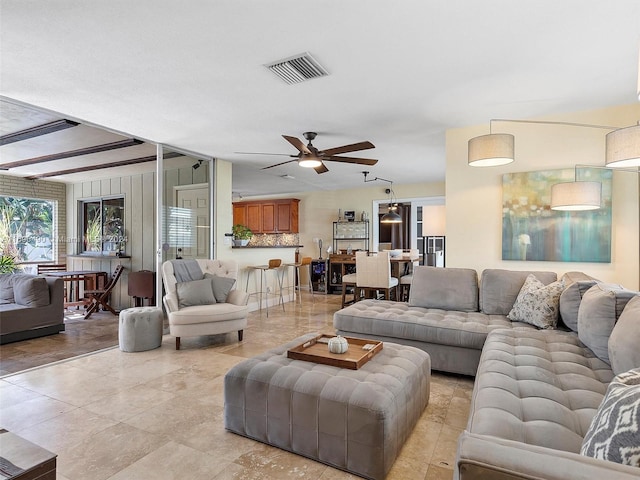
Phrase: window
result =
(27, 228)
(102, 226)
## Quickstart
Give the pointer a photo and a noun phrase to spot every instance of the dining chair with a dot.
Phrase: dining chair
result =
(100, 297)
(373, 275)
(407, 278)
(349, 282)
(44, 268)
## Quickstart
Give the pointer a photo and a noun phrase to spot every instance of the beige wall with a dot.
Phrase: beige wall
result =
(474, 195)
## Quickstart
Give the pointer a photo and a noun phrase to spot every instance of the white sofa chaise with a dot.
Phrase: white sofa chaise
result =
(203, 316)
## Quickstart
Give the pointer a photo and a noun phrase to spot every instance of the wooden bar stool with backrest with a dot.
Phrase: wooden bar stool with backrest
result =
(304, 264)
(373, 274)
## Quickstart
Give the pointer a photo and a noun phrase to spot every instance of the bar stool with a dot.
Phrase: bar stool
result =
(274, 264)
(304, 264)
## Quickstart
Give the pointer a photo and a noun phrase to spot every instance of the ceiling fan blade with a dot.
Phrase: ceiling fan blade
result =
(354, 147)
(296, 142)
(359, 161)
(321, 169)
(278, 164)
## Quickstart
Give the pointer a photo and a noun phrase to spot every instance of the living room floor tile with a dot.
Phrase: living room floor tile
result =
(156, 414)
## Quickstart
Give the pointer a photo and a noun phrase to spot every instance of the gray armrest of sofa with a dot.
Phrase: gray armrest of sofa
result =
(483, 456)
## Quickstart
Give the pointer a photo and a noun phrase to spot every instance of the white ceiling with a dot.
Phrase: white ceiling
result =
(191, 75)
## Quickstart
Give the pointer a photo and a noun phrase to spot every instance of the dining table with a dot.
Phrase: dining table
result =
(91, 279)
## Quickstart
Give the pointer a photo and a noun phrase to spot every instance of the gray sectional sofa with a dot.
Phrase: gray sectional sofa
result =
(536, 390)
(448, 314)
(30, 306)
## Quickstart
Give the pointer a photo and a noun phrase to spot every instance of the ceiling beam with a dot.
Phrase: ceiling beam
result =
(121, 163)
(36, 131)
(129, 142)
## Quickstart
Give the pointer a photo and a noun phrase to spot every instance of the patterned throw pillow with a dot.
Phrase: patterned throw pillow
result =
(537, 303)
(614, 433)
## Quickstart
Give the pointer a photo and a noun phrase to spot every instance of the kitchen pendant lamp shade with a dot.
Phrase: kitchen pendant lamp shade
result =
(391, 217)
(623, 147)
(491, 150)
(576, 196)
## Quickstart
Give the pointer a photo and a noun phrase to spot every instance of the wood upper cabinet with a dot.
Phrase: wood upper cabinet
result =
(268, 216)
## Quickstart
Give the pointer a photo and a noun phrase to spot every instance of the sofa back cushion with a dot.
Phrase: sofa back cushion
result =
(30, 290)
(599, 311)
(624, 342)
(6, 288)
(499, 288)
(444, 288)
(570, 302)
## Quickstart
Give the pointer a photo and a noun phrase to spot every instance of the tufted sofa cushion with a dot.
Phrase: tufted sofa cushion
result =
(537, 387)
(401, 321)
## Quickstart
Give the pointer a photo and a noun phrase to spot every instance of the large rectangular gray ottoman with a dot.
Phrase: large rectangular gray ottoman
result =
(354, 420)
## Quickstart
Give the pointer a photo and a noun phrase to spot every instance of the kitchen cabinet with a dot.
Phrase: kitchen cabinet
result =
(268, 216)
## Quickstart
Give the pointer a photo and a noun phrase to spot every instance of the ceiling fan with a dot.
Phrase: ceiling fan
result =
(310, 157)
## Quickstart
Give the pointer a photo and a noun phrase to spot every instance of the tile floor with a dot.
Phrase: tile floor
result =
(158, 414)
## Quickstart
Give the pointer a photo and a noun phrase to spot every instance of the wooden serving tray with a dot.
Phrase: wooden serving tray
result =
(317, 350)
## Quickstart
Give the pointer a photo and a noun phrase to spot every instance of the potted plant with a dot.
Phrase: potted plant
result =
(8, 264)
(241, 235)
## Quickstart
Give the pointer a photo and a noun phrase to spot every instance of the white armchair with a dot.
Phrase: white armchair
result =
(197, 318)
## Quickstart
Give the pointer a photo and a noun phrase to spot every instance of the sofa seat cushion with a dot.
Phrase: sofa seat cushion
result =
(537, 387)
(218, 312)
(399, 320)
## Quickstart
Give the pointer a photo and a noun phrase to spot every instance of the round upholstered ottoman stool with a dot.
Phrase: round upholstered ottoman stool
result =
(140, 329)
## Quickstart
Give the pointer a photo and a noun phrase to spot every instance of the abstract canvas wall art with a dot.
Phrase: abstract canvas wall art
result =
(531, 231)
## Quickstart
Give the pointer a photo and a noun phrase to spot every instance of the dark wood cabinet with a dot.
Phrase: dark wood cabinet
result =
(268, 216)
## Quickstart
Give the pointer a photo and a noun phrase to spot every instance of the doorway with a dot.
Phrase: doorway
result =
(423, 221)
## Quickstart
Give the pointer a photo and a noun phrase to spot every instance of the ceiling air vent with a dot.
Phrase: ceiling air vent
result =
(298, 68)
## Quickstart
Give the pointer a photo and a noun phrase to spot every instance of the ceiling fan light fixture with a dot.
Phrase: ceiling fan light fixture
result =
(491, 150)
(309, 161)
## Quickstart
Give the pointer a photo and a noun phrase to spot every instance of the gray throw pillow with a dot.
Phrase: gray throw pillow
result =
(221, 286)
(196, 292)
(537, 303)
(570, 302)
(599, 311)
(499, 288)
(6, 288)
(614, 434)
(444, 288)
(31, 291)
(624, 342)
